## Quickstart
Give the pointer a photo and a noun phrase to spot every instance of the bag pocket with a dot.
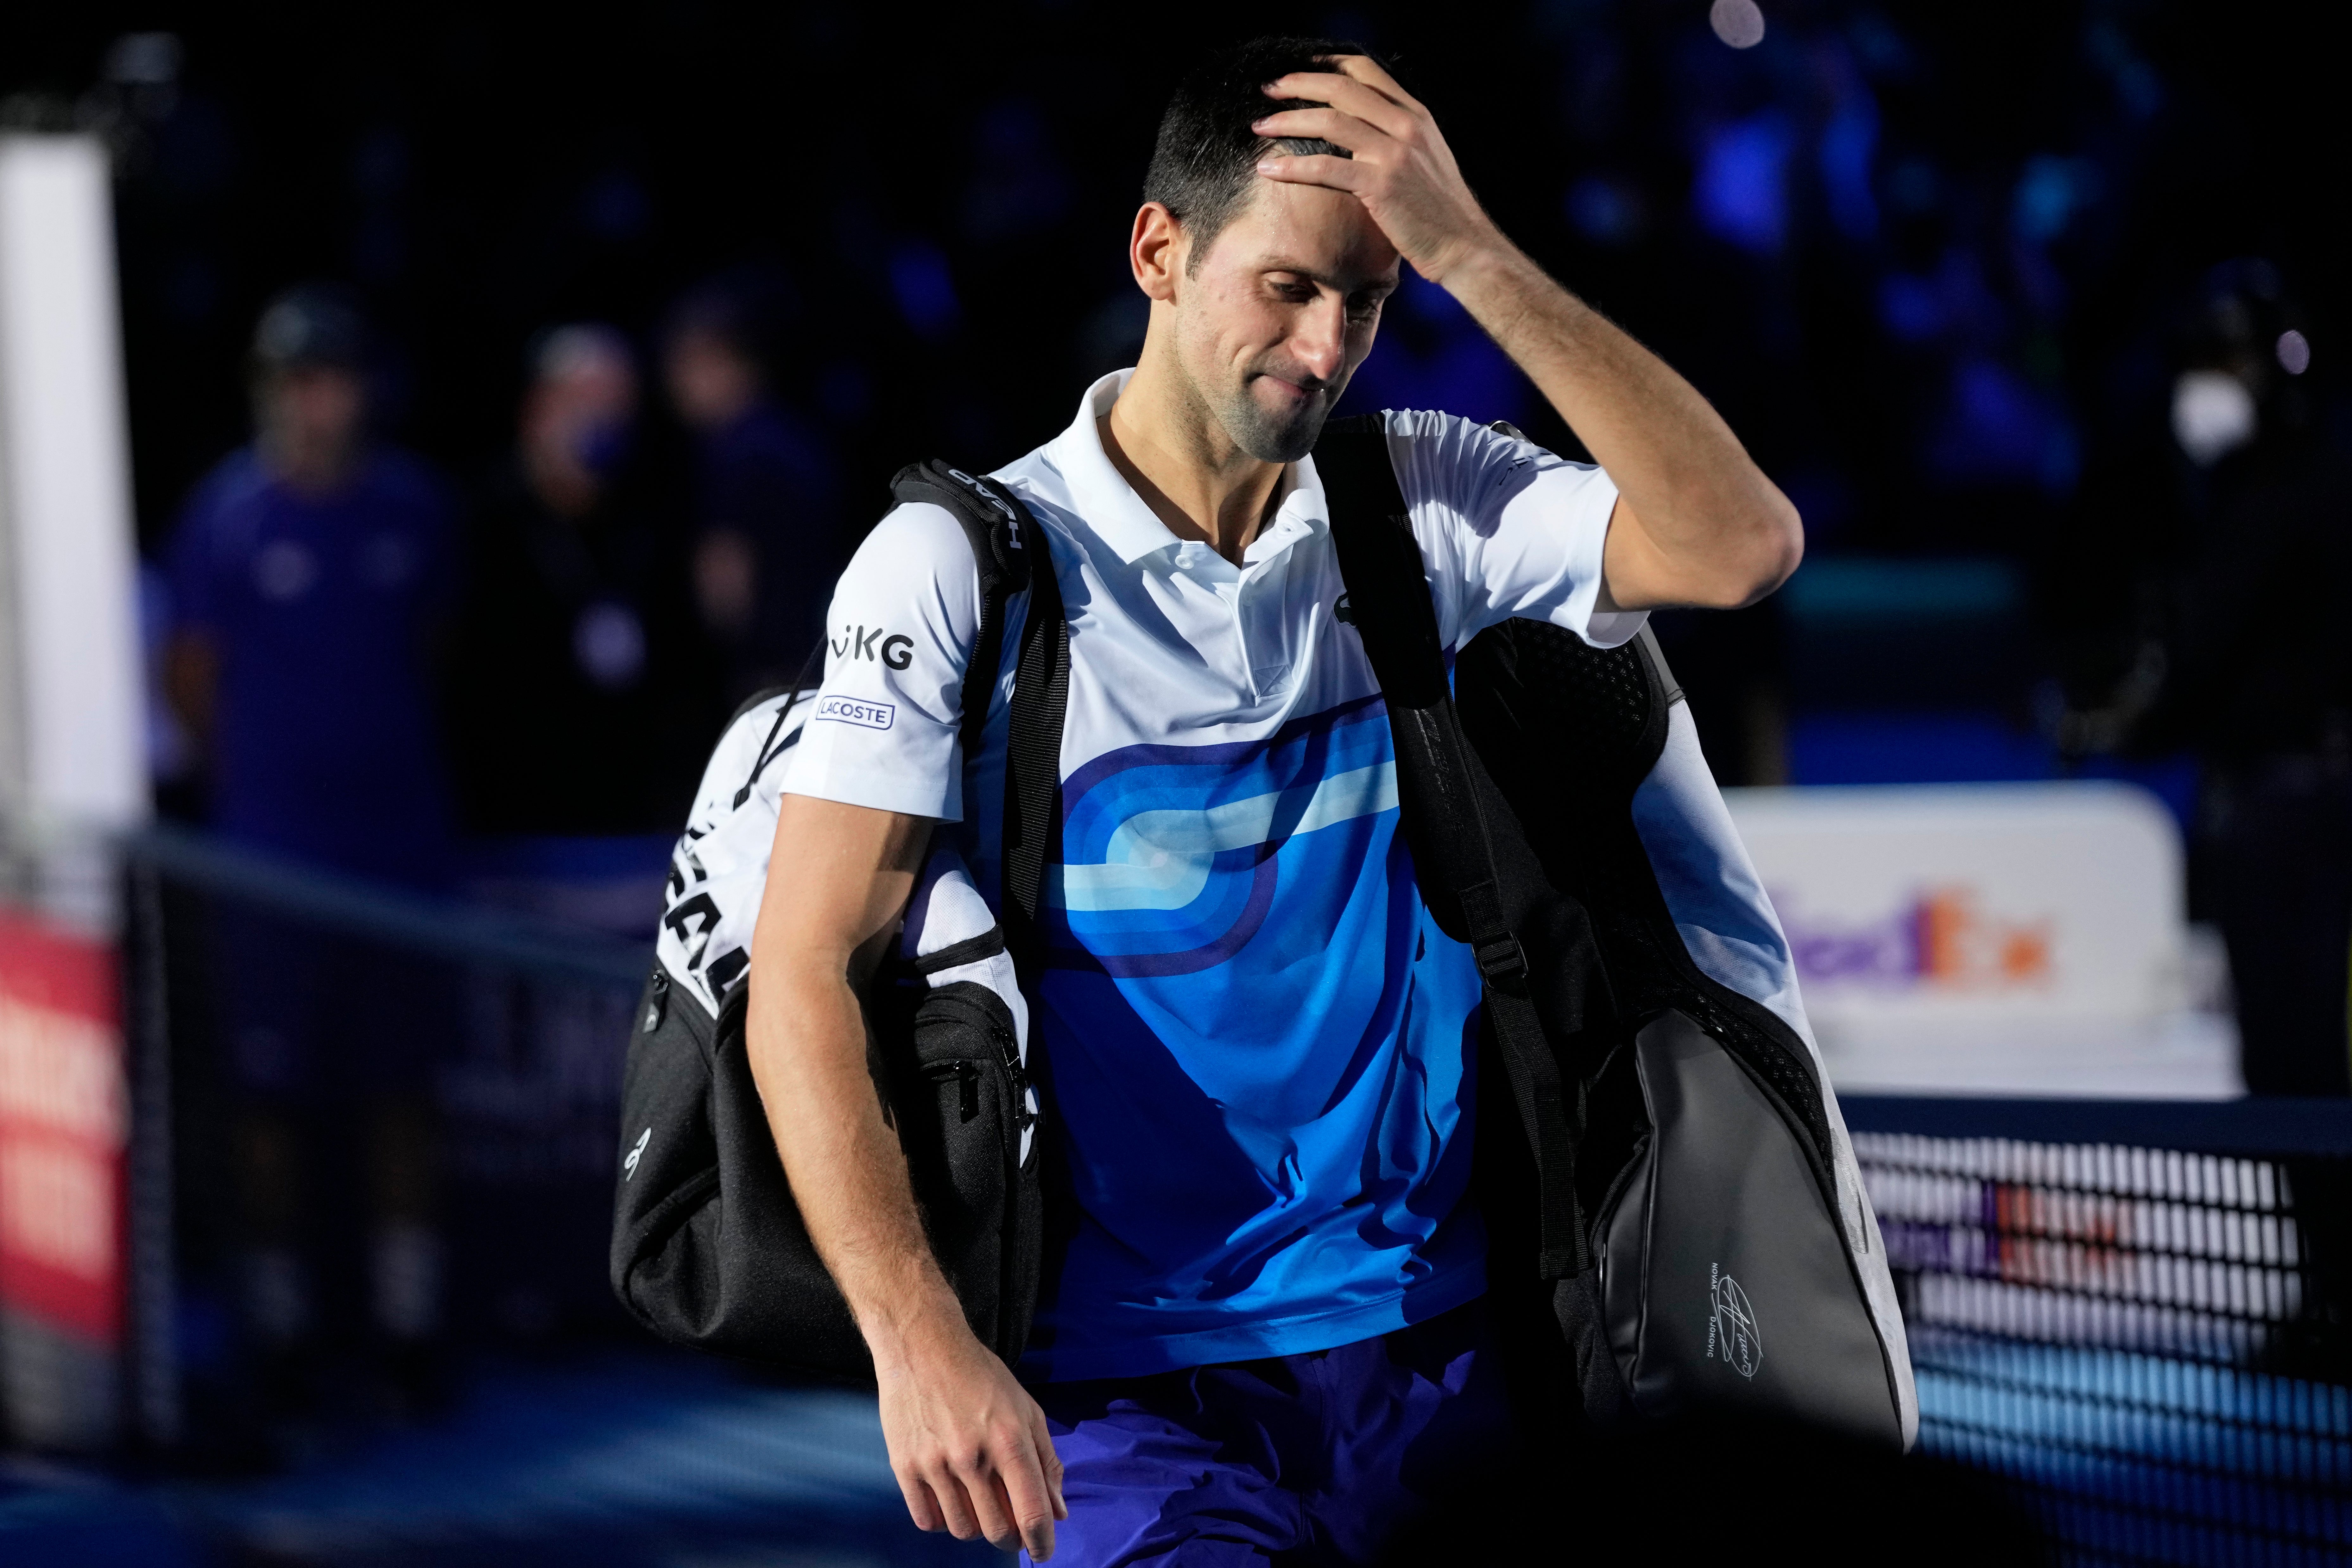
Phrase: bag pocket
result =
(668, 1159)
(963, 1106)
(1725, 1277)
(708, 1247)
(709, 1250)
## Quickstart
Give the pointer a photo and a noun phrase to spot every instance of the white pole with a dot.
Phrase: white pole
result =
(67, 610)
(71, 769)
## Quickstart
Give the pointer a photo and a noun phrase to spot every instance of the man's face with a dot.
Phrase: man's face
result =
(314, 408)
(575, 411)
(1276, 317)
(710, 380)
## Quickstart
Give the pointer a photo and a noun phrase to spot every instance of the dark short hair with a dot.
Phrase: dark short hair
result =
(310, 324)
(749, 307)
(1206, 157)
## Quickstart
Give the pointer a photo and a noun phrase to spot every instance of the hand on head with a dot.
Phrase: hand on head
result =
(1398, 164)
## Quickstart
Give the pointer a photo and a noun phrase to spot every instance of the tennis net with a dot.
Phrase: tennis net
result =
(2133, 1313)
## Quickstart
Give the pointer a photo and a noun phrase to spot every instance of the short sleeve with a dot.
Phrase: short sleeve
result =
(1509, 529)
(884, 730)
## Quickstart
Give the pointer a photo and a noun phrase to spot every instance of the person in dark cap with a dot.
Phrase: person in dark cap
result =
(307, 573)
(769, 541)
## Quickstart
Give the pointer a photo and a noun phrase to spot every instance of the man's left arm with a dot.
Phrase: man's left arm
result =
(1696, 522)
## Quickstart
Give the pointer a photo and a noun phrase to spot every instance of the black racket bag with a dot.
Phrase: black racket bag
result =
(1679, 1222)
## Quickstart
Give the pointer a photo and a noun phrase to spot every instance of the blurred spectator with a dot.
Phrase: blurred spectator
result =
(583, 702)
(2263, 665)
(770, 541)
(307, 575)
(2202, 583)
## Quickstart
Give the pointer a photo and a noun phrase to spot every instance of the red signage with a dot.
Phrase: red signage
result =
(63, 1120)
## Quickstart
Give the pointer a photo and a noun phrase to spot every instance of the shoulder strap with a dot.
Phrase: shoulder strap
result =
(1009, 548)
(1033, 752)
(1389, 603)
(812, 674)
(991, 517)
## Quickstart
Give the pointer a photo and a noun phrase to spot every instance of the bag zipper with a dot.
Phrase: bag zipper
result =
(967, 1072)
(1008, 1051)
(967, 1077)
(1008, 1061)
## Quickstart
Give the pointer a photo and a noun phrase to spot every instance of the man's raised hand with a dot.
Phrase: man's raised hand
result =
(1696, 522)
(1399, 167)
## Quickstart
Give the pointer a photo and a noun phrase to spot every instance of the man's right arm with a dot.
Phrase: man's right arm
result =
(968, 1446)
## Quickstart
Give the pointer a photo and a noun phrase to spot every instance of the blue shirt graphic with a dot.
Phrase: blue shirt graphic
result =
(1243, 975)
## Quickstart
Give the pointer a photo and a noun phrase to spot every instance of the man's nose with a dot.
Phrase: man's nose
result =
(1321, 340)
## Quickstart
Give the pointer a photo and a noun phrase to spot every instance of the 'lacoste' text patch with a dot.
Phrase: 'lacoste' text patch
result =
(850, 711)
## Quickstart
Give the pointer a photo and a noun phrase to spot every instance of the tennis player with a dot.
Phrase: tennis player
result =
(1264, 1338)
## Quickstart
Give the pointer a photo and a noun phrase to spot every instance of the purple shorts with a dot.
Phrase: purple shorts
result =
(1296, 1460)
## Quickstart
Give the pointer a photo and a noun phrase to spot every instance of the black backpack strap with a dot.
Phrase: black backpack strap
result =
(1032, 754)
(1009, 547)
(1389, 604)
(994, 520)
(812, 674)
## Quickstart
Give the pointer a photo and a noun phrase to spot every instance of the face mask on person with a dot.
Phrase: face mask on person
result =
(2213, 414)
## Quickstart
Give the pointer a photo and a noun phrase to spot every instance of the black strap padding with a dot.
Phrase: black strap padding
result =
(1439, 800)
(1388, 586)
(1032, 754)
(991, 516)
(1010, 551)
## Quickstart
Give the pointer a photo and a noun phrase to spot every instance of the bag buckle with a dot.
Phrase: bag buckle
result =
(1502, 958)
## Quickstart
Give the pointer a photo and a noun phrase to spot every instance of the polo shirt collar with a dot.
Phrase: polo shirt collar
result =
(1100, 494)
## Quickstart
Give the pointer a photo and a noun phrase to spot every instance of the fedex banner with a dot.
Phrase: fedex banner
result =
(1917, 901)
(62, 1127)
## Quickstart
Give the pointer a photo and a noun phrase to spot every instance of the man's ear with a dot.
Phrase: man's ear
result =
(1156, 251)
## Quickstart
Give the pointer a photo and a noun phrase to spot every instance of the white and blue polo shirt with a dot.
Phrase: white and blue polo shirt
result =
(1259, 1046)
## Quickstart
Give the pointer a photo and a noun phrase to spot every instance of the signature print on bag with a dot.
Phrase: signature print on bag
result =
(1731, 1330)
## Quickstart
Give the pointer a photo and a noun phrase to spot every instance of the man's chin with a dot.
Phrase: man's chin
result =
(1279, 438)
